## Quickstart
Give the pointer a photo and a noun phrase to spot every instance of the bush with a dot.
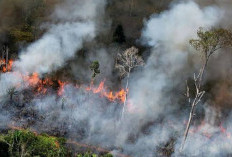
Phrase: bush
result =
(26, 143)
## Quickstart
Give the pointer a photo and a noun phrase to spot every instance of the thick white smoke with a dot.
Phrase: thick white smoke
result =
(140, 133)
(176, 26)
(76, 24)
(55, 47)
(73, 23)
(151, 117)
(168, 35)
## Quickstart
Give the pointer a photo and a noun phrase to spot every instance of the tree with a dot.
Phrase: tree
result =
(95, 68)
(125, 62)
(12, 92)
(208, 42)
(63, 103)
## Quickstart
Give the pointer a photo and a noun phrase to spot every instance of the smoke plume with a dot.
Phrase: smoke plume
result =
(154, 114)
(62, 40)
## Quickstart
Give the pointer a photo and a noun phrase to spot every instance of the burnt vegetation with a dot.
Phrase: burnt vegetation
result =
(65, 111)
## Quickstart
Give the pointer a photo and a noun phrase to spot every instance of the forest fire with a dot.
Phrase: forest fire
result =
(6, 67)
(32, 80)
(69, 141)
(41, 85)
(204, 130)
(79, 79)
(112, 96)
(61, 88)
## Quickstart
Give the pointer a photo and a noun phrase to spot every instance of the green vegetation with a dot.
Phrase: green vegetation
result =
(25, 143)
(210, 41)
(94, 67)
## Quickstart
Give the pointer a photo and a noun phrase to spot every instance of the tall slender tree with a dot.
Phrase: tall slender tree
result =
(207, 43)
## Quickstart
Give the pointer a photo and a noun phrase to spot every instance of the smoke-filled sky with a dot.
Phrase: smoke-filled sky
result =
(155, 114)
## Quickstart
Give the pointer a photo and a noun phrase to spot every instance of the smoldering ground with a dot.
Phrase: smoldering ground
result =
(156, 111)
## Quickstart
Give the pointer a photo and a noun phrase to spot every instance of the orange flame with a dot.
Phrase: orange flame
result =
(42, 85)
(6, 66)
(112, 96)
(61, 88)
(32, 80)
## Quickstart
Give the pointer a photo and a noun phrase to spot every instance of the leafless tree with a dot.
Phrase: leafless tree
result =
(5, 57)
(208, 43)
(125, 62)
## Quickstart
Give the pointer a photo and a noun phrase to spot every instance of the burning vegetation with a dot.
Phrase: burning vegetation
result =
(72, 84)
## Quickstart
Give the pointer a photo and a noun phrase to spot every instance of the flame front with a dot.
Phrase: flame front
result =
(41, 85)
(6, 67)
(203, 131)
(112, 96)
(61, 88)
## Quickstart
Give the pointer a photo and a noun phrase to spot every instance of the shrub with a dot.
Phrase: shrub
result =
(26, 143)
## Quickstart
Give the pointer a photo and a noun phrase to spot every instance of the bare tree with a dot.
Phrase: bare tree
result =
(7, 55)
(5, 58)
(125, 62)
(208, 43)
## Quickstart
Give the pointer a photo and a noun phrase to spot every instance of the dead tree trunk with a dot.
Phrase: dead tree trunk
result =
(195, 102)
(125, 100)
(208, 43)
(7, 60)
(3, 53)
(199, 94)
(2, 61)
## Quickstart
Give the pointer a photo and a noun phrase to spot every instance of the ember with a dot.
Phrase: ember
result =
(112, 96)
(6, 67)
(41, 86)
